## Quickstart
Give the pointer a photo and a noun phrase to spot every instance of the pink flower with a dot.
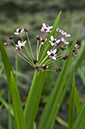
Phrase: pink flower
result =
(43, 40)
(58, 30)
(20, 45)
(6, 43)
(65, 34)
(46, 28)
(64, 41)
(54, 41)
(18, 31)
(52, 54)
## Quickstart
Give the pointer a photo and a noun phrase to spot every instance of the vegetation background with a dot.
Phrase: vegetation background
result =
(29, 13)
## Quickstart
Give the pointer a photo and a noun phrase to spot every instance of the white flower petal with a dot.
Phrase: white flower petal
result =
(68, 35)
(22, 30)
(17, 30)
(52, 44)
(44, 25)
(16, 33)
(58, 41)
(50, 27)
(54, 58)
(48, 52)
(66, 43)
(52, 38)
(55, 50)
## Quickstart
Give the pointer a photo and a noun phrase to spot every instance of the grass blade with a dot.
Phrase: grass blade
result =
(46, 45)
(57, 93)
(71, 105)
(80, 119)
(18, 112)
(33, 99)
(78, 106)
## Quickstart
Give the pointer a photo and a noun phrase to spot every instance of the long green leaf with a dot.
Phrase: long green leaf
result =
(79, 61)
(71, 105)
(46, 45)
(80, 119)
(18, 112)
(78, 106)
(57, 93)
(33, 98)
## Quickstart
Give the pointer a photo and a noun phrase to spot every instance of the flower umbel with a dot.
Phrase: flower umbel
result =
(53, 51)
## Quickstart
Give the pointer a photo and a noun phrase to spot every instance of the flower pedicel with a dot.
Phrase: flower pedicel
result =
(54, 52)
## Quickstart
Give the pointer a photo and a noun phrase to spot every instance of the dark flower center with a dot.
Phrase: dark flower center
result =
(46, 25)
(43, 40)
(54, 41)
(45, 29)
(52, 54)
(19, 30)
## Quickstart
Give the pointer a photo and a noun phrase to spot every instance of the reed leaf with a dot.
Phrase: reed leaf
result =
(57, 93)
(80, 119)
(47, 44)
(71, 105)
(17, 107)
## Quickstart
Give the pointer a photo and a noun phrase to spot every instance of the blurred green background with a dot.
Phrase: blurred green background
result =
(29, 13)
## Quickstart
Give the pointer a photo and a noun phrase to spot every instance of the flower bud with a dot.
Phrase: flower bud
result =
(58, 69)
(65, 57)
(26, 29)
(34, 61)
(63, 47)
(6, 43)
(38, 37)
(74, 54)
(11, 36)
(44, 67)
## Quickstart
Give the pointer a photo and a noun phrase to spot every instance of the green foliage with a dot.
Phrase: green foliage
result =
(71, 106)
(25, 119)
(17, 107)
(36, 87)
(80, 119)
(52, 107)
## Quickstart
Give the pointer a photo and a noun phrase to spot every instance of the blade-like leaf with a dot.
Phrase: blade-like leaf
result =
(33, 98)
(71, 105)
(46, 45)
(80, 119)
(18, 112)
(56, 95)
(78, 106)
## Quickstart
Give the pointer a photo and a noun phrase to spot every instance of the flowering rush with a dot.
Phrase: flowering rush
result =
(55, 48)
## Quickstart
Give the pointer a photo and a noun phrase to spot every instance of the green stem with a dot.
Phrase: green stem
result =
(39, 51)
(44, 60)
(30, 45)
